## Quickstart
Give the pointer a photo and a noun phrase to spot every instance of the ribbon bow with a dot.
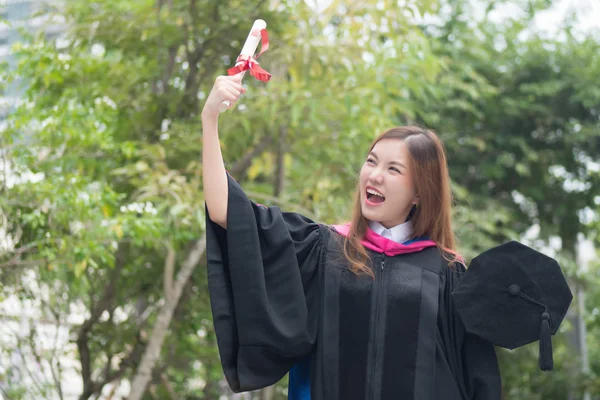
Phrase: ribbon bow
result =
(249, 63)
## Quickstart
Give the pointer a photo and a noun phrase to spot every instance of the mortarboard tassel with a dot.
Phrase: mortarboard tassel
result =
(545, 357)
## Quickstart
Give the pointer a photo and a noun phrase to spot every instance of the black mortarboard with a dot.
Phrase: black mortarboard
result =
(512, 295)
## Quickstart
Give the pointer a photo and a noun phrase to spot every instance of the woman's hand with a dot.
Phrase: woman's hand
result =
(225, 88)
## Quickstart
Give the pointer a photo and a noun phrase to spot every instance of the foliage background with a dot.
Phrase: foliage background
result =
(102, 200)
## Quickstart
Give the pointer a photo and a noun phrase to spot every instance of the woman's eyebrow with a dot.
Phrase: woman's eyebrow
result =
(397, 163)
(391, 162)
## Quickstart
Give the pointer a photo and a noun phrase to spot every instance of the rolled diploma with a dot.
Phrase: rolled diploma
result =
(248, 50)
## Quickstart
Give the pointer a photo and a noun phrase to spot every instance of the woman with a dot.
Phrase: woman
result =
(357, 311)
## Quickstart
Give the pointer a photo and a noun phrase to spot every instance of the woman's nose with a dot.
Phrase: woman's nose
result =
(376, 176)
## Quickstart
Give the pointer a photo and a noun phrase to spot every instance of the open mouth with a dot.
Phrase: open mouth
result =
(374, 196)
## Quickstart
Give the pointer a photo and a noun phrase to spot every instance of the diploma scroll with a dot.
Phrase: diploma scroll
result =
(246, 60)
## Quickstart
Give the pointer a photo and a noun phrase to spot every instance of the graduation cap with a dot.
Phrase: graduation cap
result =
(512, 295)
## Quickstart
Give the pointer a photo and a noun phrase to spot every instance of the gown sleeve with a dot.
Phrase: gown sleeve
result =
(473, 360)
(262, 279)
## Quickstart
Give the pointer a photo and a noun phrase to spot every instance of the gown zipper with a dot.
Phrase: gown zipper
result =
(377, 342)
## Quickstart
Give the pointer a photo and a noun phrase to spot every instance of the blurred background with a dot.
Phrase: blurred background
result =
(102, 270)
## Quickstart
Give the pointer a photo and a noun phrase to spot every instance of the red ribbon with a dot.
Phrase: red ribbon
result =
(249, 63)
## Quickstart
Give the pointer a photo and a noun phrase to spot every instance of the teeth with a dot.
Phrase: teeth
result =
(371, 191)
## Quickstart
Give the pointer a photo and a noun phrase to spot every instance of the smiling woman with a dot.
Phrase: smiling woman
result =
(404, 180)
(355, 311)
(386, 176)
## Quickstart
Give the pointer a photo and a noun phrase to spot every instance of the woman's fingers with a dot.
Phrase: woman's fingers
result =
(233, 90)
(226, 88)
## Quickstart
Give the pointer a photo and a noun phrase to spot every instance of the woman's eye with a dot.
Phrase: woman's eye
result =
(395, 169)
(370, 161)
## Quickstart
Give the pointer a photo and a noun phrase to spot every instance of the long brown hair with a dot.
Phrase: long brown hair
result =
(432, 217)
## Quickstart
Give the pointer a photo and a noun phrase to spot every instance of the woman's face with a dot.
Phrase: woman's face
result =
(387, 191)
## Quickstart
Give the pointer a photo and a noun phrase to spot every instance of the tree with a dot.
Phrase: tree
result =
(104, 204)
(109, 128)
(523, 133)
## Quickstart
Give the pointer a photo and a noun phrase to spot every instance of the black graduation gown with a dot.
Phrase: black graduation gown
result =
(280, 290)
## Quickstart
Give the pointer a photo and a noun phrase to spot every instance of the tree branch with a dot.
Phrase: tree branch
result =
(20, 263)
(112, 392)
(189, 100)
(105, 302)
(168, 273)
(168, 387)
(143, 374)
(16, 261)
(159, 86)
(56, 373)
(23, 339)
(132, 358)
(245, 162)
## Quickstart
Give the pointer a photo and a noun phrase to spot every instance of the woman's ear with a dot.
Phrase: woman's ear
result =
(416, 200)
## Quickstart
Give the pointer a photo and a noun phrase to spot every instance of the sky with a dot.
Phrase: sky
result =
(548, 21)
(588, 12)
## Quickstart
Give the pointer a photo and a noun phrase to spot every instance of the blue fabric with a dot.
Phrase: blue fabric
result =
(299, 377)
(419, 239)
(299, 380)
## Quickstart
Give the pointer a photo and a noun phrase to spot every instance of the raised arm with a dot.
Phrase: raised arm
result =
(213, 168)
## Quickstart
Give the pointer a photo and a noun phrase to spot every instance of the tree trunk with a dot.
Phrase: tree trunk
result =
(143, 374)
